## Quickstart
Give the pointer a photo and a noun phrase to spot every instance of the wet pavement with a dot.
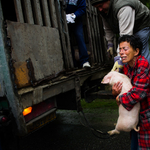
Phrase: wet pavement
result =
(67, 133)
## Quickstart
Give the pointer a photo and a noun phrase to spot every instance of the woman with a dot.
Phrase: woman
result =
(137, 68)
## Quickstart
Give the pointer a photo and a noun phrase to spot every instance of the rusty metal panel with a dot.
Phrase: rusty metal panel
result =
(40, 45)
(21, 74)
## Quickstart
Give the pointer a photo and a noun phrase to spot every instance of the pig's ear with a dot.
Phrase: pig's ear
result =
(106, 80)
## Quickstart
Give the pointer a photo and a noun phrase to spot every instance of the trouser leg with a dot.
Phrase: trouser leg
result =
(144, 36)
(134, 140)
(81, 43)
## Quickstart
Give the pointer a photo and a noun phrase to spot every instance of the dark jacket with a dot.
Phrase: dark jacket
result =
(77, 7)
(142, 14)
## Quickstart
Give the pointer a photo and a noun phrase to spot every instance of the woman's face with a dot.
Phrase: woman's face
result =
(127, 53)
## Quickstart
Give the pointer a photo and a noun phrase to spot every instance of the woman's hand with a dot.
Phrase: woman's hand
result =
(116, 88)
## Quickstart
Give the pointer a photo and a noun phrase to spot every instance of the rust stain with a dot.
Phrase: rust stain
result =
(22, 78)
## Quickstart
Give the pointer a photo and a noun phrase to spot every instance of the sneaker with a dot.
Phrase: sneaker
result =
(86, 65)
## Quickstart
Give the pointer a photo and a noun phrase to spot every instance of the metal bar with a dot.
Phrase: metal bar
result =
(53, 14)
(89, 30)
(93, 37)
(46, 15)
(28, 12)
(62, 35)
(37, 12)
(67, 37)
(100, 52)
(18, 9)
(96, 31)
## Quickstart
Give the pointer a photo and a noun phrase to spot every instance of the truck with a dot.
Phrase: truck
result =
(37, 75)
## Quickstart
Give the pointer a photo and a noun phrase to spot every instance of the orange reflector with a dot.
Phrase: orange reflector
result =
(27, 111)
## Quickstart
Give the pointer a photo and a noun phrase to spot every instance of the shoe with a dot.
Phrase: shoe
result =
(86, 65)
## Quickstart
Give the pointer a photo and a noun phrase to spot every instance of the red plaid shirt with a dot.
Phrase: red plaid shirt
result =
(140, 92)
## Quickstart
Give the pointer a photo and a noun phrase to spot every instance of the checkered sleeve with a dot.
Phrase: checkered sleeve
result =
(140, 81)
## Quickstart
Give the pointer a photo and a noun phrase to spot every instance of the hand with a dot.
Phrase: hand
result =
(70, 18)
(116, 88)
(117, 100)
(118, 64)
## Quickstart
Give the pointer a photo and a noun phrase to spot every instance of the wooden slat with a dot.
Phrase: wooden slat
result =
(37, 12)
(28, 12)
(46, 13)
(53, 14)
(18, 10)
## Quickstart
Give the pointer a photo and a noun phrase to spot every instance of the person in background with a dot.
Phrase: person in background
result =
(74, 12)
(125, 17)
(137, 68)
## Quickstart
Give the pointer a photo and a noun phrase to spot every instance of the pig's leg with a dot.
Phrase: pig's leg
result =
(115, 131)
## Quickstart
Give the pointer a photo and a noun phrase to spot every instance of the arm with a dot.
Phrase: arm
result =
(109, 35)
(81, 8)
(141, 86)
(126, 18)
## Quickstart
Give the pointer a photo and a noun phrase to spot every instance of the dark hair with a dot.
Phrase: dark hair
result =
(134, 41)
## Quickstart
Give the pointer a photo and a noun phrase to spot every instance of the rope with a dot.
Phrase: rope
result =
(94, 131)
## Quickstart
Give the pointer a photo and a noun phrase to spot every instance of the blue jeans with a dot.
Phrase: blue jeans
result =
(134, 140)
(77, 29)
(144, 35)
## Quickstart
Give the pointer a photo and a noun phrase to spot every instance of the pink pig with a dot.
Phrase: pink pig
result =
(127, 120)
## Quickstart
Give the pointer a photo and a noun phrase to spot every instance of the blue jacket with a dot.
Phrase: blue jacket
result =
(77, 7)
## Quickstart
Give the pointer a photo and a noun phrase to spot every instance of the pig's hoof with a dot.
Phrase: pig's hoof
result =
(112, 132)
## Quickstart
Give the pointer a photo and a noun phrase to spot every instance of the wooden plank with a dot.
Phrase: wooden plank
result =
(18, 10)
(37, 12)
(28, 12)
(46, 13)
(53, 14)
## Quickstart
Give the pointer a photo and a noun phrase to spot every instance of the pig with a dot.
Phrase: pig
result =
(127, 120)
